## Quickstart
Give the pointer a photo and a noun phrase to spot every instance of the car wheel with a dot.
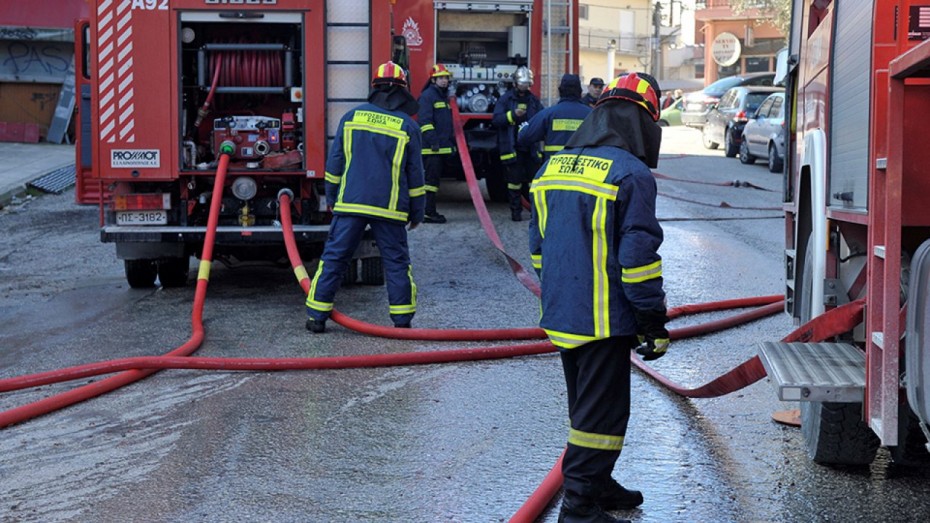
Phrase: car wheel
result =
(776, 164)
(744, 156)
(663, 123)
(730, 149)
(708, 143)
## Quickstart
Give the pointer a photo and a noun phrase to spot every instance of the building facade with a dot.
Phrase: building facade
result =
(734, 43)
(614, 37)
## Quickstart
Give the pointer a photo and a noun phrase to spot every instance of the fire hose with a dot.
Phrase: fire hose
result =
(134, 369)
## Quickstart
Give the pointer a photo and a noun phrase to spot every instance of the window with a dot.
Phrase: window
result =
(582, 12)
(757, 64)
(765, 108)
(779, 102)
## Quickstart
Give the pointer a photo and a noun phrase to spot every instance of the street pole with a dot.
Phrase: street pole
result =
(654, 68)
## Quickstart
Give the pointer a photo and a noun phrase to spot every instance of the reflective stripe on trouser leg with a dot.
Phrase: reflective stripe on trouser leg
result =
(345, 233)
(395, 257)
(597, 377)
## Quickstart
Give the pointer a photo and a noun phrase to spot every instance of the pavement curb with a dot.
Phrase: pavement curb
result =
(8, 194)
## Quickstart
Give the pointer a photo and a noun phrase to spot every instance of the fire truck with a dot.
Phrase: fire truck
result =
(482, 44)
(163, 83)
(857, 228)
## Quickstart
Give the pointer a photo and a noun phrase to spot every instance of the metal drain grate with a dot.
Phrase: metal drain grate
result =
(56, 181)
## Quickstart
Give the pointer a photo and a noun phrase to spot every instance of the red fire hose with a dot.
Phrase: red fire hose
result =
(178, 358)
(92, 390)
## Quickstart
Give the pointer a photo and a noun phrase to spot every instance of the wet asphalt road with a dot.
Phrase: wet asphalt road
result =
(458, 442)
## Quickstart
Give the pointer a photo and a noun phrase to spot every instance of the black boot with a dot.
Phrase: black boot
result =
(516, 206)
(615, 497)
(316, 326)
(580, 510)
(431, 216)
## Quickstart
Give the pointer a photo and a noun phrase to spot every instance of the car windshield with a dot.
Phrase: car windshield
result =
(754, 100)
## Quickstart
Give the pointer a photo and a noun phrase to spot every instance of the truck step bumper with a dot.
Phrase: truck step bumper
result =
(224, 234)
(832, 372)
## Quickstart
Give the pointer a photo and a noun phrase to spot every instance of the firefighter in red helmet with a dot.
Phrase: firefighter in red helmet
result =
(374, 178)
(435, 119)
(594, 241)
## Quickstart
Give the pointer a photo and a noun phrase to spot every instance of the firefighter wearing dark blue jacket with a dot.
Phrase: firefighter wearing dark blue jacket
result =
(555, 125)
(435, 119)
(594, 239)
(515, 107)
(374, 178)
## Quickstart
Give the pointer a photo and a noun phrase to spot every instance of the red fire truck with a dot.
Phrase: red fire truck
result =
(483, 44)
(858, 227)
(163, 83)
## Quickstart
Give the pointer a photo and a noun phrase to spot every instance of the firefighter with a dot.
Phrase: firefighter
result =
(515, 107)
(374, 178)
(435, 119)
(555, 125)
(594, 239)
(595, 87)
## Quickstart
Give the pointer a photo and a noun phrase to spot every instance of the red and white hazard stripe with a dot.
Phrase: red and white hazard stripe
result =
(114, 59)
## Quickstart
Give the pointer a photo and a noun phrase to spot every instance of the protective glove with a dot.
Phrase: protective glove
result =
(653, 336)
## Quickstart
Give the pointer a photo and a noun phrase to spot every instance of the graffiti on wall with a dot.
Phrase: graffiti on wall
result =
(28, 61)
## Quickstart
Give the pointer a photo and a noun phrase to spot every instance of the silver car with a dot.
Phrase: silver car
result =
(764, 134)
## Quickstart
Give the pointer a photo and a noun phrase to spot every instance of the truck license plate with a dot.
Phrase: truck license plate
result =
(142, 218)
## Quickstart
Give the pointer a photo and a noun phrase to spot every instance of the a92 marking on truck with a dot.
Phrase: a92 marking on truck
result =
(150, 5)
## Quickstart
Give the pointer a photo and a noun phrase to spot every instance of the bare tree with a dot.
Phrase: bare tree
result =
(778, 10)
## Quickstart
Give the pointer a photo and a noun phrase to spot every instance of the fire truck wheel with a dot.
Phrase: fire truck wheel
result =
(744, 156)
(172, 272)
(836, 435)
(140, 274)
(912, 450)
(372, 271)
(497, 188)
(351, 275)
(730, 149)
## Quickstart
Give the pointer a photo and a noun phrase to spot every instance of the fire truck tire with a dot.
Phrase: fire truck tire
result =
(173, 272)
(140, 274)
(744, 156)
(730, 149)
(912, 448)
(372, 271)
(836, 435)
(708, 143)
(351, 275)
(775, 163)
(497, 188)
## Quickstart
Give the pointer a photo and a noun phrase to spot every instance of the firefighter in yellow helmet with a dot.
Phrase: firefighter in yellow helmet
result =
(374, 179)
(594, 241)
(435, 119)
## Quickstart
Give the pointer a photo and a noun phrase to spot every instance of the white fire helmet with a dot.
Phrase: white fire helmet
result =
(523, 76)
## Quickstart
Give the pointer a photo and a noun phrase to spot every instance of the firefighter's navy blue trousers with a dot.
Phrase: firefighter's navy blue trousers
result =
(345, 233)
(598, 378)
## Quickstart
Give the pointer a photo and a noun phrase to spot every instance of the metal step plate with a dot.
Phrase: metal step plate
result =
(833, 372)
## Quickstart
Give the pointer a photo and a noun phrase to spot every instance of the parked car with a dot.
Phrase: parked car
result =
(764, 134)
(671, 115)
(725, 122)
(699, 103)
